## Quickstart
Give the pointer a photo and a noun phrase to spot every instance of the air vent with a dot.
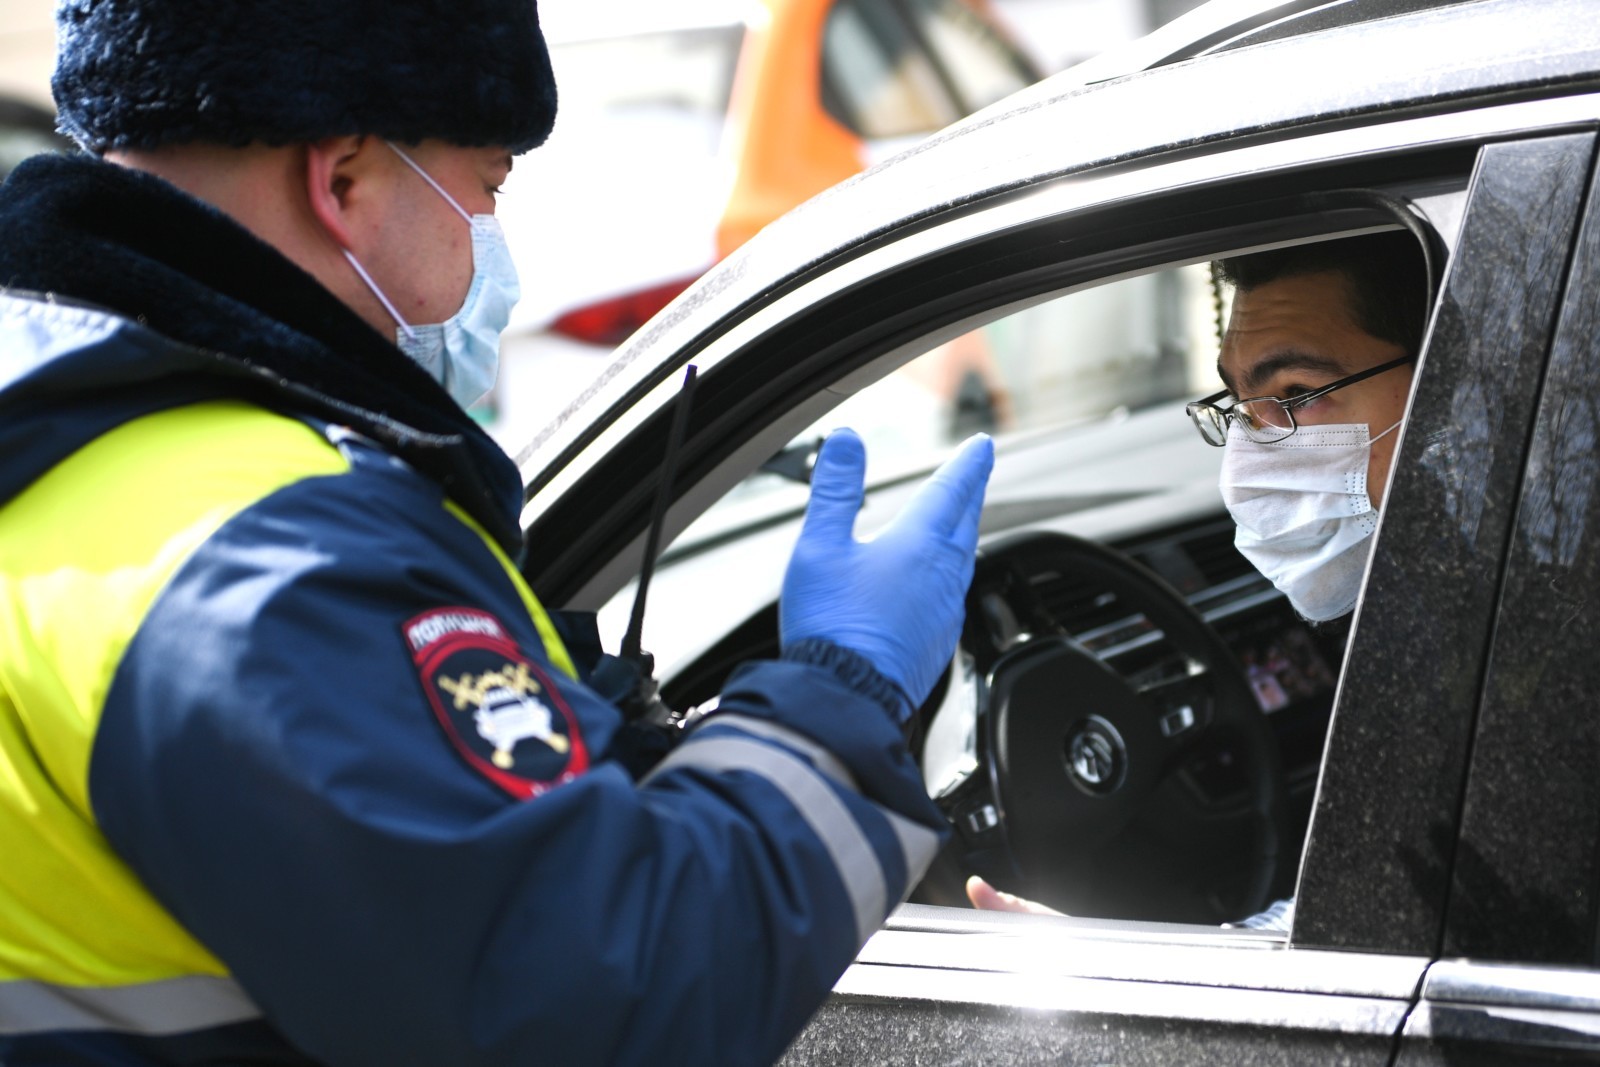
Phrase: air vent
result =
(1195, 559)
(1088, 613)
(1213, 553)
(1199, 561)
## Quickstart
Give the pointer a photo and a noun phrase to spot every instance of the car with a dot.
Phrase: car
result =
(26, 129)
(1436, 778)
(685, 128)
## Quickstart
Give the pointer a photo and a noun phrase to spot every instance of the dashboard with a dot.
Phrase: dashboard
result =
(1290, 666)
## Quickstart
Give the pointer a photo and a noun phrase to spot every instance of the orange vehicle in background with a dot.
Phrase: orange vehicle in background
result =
(810, 117)
(688, 126)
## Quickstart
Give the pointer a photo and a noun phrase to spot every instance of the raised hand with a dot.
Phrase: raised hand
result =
(897, 599)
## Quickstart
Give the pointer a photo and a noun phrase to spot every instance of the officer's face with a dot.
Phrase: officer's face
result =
(422, 249)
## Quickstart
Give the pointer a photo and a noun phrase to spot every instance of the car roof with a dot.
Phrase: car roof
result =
(1223, 24)
(1476, 53)
(1491, 49)
(1215, 25)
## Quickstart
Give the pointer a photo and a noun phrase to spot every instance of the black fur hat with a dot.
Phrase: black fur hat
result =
(144, 73)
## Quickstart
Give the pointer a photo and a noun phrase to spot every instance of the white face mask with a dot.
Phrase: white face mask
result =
(463, 352)
(1303, 513)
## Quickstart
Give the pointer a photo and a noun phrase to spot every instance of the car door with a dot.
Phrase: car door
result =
(1375, 874)
(939, 985)
(1518, 978)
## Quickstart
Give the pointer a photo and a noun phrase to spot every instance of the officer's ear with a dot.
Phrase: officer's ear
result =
(342, 174)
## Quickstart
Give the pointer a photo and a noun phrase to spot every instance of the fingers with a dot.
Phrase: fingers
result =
(950, 501)
(986, 897)
(965, 532)
(836, 487)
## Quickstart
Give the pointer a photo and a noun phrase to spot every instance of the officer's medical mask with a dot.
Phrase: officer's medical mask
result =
(1304, 518)
(463, 352)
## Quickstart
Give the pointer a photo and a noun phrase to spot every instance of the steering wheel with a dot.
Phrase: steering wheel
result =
(1094, 793)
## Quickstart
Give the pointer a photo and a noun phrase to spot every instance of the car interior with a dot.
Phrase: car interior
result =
(1107, 592)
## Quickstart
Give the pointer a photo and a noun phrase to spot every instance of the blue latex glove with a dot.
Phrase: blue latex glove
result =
(897, 599)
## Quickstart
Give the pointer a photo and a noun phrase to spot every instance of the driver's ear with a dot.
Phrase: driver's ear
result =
(340, 176)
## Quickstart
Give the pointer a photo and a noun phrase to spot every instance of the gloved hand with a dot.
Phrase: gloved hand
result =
(897, 599)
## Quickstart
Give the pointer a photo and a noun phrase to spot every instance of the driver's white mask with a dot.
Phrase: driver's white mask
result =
(1304, 518)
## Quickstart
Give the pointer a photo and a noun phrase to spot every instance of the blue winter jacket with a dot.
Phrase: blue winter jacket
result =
(295, 768)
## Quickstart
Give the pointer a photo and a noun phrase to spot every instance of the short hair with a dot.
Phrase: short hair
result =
(1386, 275)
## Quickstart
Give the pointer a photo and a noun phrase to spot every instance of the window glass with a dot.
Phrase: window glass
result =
(878, 77)
(981, 65)
(1072, 360)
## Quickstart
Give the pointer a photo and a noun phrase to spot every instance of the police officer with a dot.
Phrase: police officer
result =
(293, 766)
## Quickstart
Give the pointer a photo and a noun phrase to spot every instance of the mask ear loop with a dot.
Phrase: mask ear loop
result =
(394, 312)
(388, 306)
(1386, 433)
(429, 179)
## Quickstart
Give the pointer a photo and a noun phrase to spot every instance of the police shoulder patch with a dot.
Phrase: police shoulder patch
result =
(497, 707)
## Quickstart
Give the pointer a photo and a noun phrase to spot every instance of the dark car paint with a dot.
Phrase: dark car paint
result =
(1394, 756)
(1458, 813)
(1525, 887)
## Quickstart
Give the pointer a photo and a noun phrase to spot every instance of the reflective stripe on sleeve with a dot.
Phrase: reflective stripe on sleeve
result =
(169, 1006)
(821, 758)
(816, 802)
(918, 844)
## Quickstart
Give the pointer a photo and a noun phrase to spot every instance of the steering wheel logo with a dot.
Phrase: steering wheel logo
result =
(1097, 760)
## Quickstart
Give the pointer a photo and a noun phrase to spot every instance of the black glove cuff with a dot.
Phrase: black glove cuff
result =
(854, 670)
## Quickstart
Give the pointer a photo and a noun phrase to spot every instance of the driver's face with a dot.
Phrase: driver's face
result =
(1295, 334)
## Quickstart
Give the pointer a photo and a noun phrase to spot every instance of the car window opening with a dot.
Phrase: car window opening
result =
(1085, 390)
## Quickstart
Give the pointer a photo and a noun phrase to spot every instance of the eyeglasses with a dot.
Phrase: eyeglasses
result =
(1266, 419)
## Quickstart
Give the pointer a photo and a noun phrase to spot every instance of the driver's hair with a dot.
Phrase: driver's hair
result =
(1386, 277)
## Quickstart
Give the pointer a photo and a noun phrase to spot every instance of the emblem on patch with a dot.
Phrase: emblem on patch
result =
(498, 709)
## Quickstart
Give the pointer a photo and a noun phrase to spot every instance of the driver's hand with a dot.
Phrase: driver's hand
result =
(986, 897)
